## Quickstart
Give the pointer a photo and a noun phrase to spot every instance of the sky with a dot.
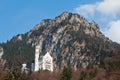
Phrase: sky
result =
(20, 16)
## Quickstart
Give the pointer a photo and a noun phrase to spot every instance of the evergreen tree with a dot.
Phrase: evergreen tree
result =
(66, 74)
(83, 75)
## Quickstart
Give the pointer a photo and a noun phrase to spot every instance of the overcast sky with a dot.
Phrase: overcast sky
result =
(19, 16)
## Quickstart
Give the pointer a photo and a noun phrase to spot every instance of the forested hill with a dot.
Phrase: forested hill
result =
(70, 38)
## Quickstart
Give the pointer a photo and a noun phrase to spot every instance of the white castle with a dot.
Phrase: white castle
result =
(42, 62)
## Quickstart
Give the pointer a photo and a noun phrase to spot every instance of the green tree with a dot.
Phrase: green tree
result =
(93, 73)
(66, 74)
(83, 75)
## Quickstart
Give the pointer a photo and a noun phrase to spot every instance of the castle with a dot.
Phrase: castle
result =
(42, 62)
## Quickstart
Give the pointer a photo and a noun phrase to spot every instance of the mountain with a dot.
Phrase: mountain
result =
(70, 38)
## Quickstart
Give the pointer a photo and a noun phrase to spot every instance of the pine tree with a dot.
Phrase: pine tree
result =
(66, 74)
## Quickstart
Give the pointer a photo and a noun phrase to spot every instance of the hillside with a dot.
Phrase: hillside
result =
(70, 38)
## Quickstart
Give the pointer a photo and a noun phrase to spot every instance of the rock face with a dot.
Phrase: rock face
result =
(71, 40)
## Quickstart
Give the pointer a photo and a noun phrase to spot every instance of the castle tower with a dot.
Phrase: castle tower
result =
(24, 67)
(37, 52)
(1, 52)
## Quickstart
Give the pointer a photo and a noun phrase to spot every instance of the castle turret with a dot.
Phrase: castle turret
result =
(37, 52)
(1, 52)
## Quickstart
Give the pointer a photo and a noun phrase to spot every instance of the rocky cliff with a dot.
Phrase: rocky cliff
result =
(70, 38)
